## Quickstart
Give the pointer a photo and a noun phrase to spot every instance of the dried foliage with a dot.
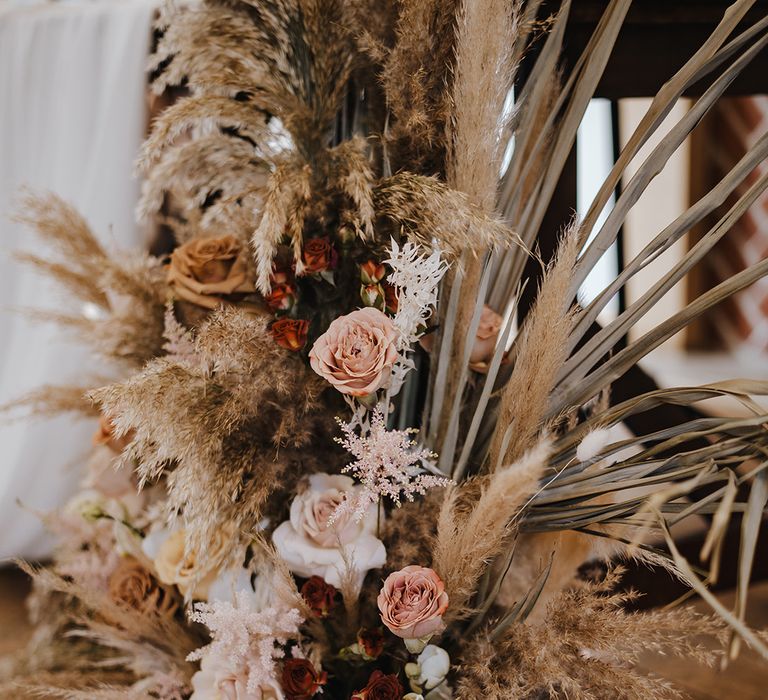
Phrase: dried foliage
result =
(540, 354)
(361, 126)
(242, 409)
(471, 534)
(587, 646)
(119, 298)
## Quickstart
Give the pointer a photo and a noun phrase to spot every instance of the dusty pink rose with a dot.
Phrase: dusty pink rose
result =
(357, 352)
(486, 336)
(412, 602)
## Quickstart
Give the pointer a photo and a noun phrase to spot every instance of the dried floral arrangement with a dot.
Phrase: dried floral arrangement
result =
(332, 463)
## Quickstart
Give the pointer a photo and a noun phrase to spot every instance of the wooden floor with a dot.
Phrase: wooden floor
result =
(745, 679)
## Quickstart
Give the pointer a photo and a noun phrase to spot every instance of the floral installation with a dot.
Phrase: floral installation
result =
(343, 456)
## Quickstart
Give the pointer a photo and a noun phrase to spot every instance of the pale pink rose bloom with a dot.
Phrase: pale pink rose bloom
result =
(218, 679)
(412, 602)
(311, 546)
(485, 339)
(357, 352)
(486, 336)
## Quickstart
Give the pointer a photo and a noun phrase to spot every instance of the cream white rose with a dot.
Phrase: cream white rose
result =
(313, 547)
(218, 680)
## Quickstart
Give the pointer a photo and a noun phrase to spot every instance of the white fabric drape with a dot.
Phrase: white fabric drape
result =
(72, 117)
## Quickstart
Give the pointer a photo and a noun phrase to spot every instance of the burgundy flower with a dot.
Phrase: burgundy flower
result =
(319, 596)
(371, 641)
(300, 680)
(380, 687)
(318, 255)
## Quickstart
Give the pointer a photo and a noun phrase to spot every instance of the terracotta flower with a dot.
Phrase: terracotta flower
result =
(131, 585)
(371, 642)
(412, 602)
(357, 352)
(318, 255)
(380, 687)
(205, 271)
(105, 435)
(290, 333)
(300, 680)
(282, 296)
(319, 596)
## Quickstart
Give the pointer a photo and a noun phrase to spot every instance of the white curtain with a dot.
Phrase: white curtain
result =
(72, 117)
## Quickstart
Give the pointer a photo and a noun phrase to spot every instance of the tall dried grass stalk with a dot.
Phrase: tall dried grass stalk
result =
(483, 77)
(473, 528)
(541, 352)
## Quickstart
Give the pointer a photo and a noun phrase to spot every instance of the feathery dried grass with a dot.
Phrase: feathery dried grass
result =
(51, 400)
(467, 541)
(586, 647)
(214, 429)
(416, 76)
(541, 352)
(431, 213)
(290, 58)
(285, 204)
(409, 532)
(111, 643)
(126, 293)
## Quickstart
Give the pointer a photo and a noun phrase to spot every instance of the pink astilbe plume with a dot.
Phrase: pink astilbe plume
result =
(247, 637)
(387, 464)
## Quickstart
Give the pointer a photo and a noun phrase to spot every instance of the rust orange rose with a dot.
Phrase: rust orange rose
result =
(105, 435)
(205, 271)
(131, 585)
(282, 296)
(319, 596)
(412, 602)
(300, 680)
(357, 352)
(318, 255)
(380, 687)
(290, 333)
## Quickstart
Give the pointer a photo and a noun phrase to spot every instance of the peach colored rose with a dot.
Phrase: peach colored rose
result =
(176, 566)
(105, 435)
(133, 586)
(412, 602)
(357, 352)
(206, 270)
(485, 340)
(486, 336)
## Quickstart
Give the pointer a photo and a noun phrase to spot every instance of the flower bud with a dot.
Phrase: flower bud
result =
(372, 272)
(372, 295)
